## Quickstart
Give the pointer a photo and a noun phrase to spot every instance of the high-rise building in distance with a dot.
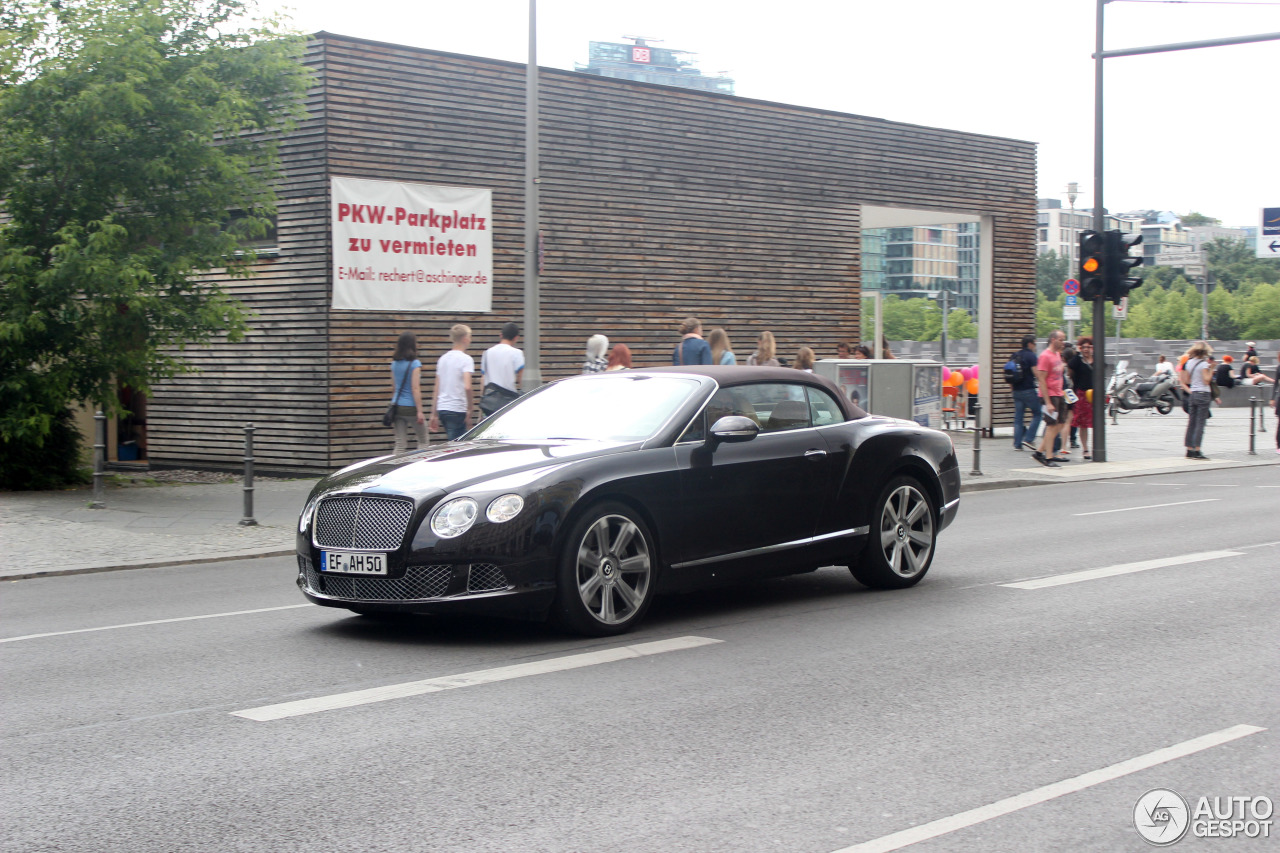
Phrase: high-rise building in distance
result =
(649, 64)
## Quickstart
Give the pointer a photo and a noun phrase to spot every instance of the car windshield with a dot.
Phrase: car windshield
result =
(596, 408)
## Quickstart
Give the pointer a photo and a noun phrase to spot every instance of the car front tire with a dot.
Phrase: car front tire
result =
(903, 537)
(607, 572)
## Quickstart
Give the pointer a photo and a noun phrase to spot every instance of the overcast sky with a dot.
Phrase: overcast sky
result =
(1187, 130)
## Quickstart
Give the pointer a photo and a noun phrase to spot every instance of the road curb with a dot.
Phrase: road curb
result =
(155, 564)
(976, 485)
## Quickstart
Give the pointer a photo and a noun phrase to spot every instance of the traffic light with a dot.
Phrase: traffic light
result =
(1092, 283)
(1116, 265)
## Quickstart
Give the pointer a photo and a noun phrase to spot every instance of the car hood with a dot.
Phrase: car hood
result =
(442, 469)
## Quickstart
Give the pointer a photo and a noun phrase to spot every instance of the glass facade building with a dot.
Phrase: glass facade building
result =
(923, 260)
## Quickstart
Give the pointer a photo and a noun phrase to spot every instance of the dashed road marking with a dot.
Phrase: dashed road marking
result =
(467, 679)
(1148, 506)
(1121, 569)
(152, 622)
(946, 825)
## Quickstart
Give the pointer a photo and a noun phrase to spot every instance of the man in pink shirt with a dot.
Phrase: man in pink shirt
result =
(1049, 370)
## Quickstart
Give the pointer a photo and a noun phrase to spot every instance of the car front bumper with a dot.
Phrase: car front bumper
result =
(521, 589)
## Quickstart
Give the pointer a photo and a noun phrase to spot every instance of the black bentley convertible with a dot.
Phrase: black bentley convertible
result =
(583, 499)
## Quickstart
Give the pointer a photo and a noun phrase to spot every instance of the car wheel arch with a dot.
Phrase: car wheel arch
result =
(921, 472)
(589, 501)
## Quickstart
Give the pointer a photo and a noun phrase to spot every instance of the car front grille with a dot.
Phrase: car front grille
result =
(362, 521)
(418, 582)
(485, 577)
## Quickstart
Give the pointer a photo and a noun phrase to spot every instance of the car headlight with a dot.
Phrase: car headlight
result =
(504, 508)
(304, 520)
(454, 518)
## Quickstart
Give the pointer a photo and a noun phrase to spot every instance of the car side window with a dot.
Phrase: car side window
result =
(726, 401)
(776, 406)
(823, 409)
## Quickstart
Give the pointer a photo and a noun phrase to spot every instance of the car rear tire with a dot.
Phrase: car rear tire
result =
(605, 582)
(903, 537)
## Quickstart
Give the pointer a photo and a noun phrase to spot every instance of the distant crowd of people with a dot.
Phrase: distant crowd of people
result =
(453, 398)
(1055, 387)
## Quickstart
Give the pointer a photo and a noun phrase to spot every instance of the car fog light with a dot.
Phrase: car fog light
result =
(454, 518)
(504, 508)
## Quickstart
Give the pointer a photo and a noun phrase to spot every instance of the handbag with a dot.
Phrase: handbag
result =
(389, 416)
(495, 397)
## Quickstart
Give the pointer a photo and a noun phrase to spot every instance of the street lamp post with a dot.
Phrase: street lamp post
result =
(1073, 192)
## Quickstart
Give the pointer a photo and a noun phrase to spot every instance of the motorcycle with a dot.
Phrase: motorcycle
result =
(1161, 392)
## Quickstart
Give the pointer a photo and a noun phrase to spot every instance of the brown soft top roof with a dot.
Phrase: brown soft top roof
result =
(727, 375)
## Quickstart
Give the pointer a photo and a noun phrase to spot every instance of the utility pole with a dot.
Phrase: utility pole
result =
(1099, 224)
(532, 287)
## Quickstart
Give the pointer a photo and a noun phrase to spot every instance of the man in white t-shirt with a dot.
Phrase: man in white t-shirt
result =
(501, 367)
(452, 392)
(502, 364)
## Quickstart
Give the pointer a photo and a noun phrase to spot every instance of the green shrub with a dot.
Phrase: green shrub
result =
(29, 464)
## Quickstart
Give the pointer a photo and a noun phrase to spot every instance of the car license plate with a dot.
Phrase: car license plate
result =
(347, 563)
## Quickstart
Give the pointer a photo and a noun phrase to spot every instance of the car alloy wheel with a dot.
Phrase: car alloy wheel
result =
(606, 577)
(903, 534)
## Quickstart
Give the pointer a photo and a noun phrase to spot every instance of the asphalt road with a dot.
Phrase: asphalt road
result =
(824, 717)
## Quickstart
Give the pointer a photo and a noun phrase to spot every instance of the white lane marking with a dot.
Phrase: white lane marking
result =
(1121, 569)
(926, 831)
(1261, 545)
(153, 622)
(1148, 506)
(467, 679)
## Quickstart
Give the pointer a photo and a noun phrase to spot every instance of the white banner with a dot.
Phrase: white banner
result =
(411, 247)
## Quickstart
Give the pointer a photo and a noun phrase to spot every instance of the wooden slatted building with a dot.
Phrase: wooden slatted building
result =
(657, 203)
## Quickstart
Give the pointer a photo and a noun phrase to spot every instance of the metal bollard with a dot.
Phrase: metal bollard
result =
(1253, 406)
(975, 409)
(248, 520)
(99, 461)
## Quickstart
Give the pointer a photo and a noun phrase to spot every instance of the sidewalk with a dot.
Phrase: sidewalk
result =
(53, 533)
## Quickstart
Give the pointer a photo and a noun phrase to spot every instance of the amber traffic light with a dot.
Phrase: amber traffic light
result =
(1092, 284)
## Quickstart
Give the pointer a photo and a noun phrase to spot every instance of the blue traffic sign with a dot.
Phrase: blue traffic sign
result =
(1072, 299)
(1071, 287)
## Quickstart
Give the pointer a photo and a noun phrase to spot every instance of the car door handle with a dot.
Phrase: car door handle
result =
(814, 454)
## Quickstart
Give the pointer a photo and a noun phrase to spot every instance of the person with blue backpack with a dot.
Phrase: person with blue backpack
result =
(1019, 372)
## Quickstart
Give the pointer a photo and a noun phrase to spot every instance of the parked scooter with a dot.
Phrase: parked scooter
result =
(1161, 392)
(1121, 379)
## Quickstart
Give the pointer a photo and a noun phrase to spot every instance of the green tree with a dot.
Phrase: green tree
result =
(1193, 219)
(1260, 315)
(130, 130)
(904, 319)
(1052, 270)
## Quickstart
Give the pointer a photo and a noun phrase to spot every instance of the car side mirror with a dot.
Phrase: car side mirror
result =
(734, 428)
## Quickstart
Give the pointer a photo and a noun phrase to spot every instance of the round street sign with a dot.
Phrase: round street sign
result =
(1071, 287)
